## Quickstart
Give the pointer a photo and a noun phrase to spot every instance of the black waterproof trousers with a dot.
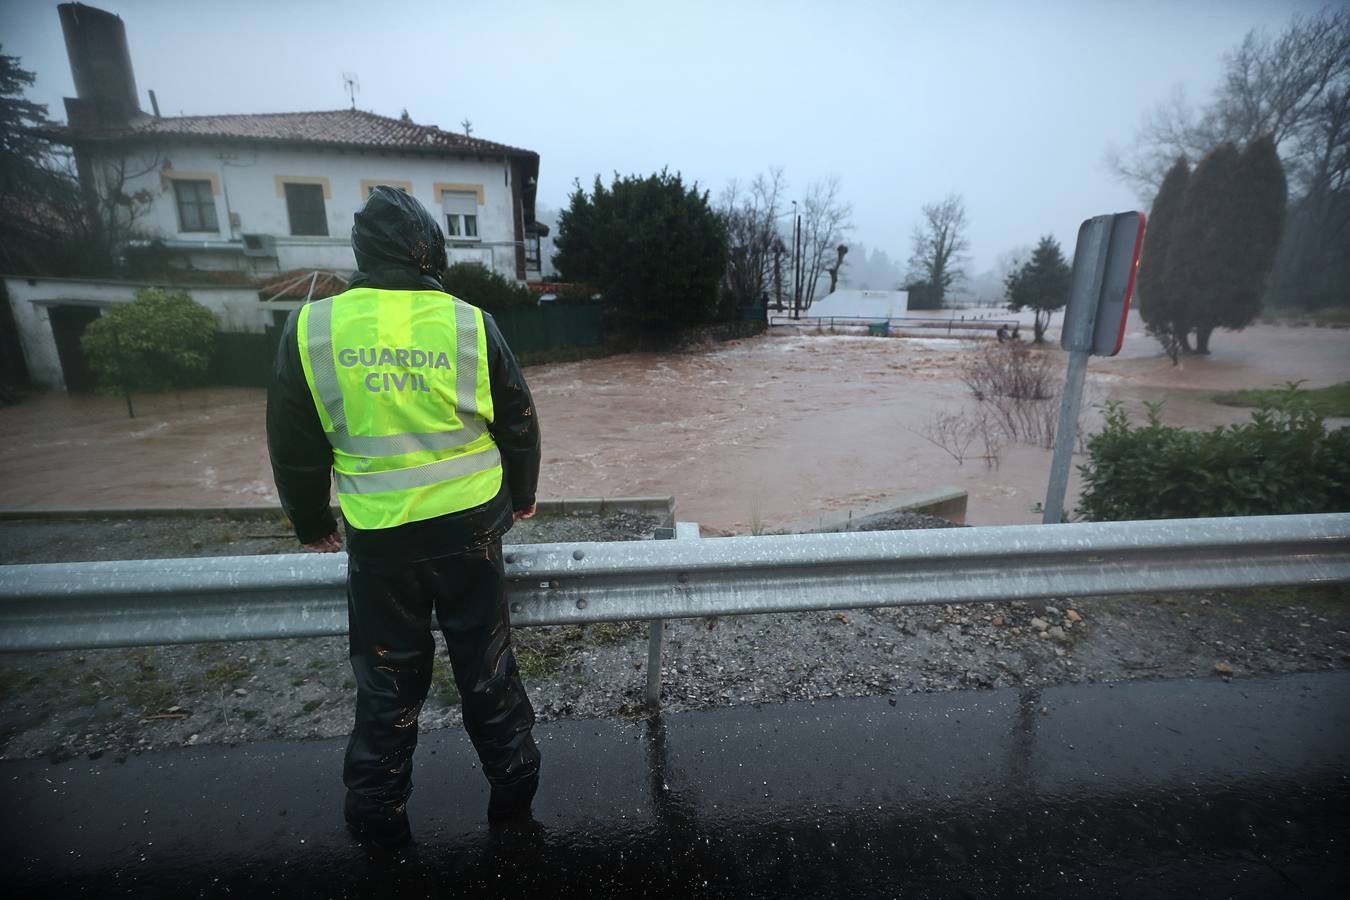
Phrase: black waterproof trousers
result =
(392, 650)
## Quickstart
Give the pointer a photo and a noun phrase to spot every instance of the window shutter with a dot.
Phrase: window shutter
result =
(457, 203)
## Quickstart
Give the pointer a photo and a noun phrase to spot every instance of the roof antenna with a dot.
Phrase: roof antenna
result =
(352, 84)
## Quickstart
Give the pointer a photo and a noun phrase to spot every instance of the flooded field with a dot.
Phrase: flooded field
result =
(744, 435)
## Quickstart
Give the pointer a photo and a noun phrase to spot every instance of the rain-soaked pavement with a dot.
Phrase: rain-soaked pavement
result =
(1162, 788)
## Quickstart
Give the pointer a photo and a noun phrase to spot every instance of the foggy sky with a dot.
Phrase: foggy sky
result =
(1012, 104)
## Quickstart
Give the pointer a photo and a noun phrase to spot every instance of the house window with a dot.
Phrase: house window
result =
(369, 184)
(531, 251)
(196, 206)
(461, 214)
(304, 205)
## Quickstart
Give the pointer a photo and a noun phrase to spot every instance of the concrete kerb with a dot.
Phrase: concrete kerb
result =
(945, 502)
(663, 508)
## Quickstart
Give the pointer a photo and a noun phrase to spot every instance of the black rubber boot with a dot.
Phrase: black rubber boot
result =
(389, 830)
(510, 802)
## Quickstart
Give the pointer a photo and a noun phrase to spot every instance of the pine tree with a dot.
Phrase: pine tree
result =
(1041, 284)
(38, 199)
(1197, 254)
(1253, 233)
(1155, 297)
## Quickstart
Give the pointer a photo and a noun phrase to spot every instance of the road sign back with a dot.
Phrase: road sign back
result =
(1104, 263)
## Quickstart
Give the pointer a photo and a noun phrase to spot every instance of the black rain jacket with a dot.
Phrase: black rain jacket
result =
(399, 247)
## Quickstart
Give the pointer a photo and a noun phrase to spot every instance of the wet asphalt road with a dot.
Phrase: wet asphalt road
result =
(1165, 788)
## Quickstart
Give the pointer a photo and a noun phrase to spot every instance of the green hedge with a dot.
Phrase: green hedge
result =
(243, 360)
(539, 328)
(1283, 461)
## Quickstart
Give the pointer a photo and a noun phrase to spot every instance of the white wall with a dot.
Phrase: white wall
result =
(237, 309)
(245, 183)
(852, 302)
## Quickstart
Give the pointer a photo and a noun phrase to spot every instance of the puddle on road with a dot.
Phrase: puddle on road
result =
(765, 430)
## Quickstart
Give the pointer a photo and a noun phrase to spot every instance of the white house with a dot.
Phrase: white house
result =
(275, 192)
(257, 200)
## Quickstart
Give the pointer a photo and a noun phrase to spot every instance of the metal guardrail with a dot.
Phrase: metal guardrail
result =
(142, 602)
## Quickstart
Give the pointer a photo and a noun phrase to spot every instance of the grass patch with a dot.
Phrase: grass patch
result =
(1331, 315)
(617, 632)
(443, 684)
(1327, 401)
(223, 674)
(311, 705)
(149, 693)
(535, 666)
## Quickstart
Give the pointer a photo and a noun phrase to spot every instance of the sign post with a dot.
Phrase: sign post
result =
(1104, 263)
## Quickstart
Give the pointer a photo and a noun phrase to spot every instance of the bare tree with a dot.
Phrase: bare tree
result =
(751, 216)
(940, 243)
(826, 218)
(1289, 86)
(1295, 87)
(1010, 261)
(833, 270)
(114, 208)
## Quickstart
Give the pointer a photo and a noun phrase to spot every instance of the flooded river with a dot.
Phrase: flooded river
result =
(746, 434)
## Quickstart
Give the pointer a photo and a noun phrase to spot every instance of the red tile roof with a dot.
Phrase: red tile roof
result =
(335, 128)
(301, 284)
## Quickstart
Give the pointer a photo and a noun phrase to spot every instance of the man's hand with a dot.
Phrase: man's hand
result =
(330, 544)
(527, 513)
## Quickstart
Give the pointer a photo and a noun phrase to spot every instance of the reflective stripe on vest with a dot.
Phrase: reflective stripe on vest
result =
(410, 440)
(419, 476)
(319, 332)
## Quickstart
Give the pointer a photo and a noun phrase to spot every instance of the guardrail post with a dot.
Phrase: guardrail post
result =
(656, 635)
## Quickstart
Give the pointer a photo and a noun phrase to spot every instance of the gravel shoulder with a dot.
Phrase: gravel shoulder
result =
(64, 704)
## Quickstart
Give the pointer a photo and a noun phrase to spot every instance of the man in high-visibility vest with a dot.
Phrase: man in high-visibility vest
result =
(410, 401)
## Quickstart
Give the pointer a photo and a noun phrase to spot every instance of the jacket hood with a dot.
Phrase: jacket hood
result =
(393, 234)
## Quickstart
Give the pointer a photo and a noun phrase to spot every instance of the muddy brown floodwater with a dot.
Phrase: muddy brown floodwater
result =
(750, 433)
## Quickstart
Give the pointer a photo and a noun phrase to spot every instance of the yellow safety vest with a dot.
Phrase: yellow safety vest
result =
(400, 380)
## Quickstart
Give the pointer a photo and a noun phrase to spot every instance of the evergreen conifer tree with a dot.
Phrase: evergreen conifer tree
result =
(1194, 269)
(1253, 235)
(1155, 299)
(1041, 284)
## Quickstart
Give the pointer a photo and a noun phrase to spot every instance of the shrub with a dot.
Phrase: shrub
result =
(1018, 384)
(1009, 370)
(484, 288)
(161, 340)
(1281, 462)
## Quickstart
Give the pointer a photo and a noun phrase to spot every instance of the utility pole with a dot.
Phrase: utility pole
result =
(796, 262)
(778, 249)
